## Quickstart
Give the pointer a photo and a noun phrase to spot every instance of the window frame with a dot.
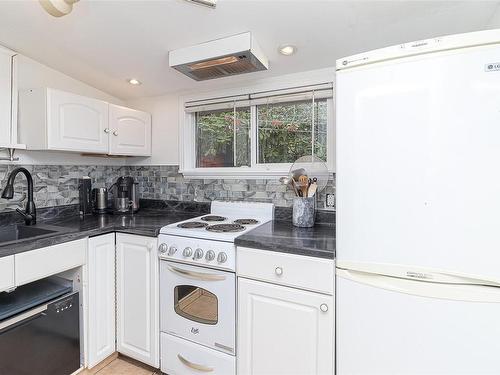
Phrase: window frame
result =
(187, 165)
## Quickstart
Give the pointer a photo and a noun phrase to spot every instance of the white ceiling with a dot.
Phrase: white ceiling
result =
(105, 42)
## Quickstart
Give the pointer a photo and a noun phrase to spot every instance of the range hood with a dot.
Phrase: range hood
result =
(237, 54)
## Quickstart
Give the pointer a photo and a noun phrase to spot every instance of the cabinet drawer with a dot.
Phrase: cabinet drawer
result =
(37, 264)
(286, 269)
(6, 273)
(182, 357)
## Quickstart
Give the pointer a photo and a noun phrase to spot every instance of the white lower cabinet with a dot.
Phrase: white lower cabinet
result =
(284, 331)
(181, 357)
(7, 273)
(101, 298)
(137, 298)
(39, 263)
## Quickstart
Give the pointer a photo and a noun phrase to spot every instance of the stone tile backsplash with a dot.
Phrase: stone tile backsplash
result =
(165, 182)
(57, 185)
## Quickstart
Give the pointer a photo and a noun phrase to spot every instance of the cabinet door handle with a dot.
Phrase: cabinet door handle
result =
(107, 130)
(115, 133)
(278, 271)
(194, 366)
(323, 307)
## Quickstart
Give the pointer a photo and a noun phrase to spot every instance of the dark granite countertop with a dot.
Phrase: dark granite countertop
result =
(278, 235)
(68, 228)
(282, 236)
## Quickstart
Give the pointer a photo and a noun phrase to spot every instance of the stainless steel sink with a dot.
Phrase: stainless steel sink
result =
(21, 232)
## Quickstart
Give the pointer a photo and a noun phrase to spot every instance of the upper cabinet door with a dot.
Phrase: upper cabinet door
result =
(76, 123)
(5, 96)
(130, 131)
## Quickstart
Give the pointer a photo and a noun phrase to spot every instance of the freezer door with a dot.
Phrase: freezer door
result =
(390, 326)
(418, 162)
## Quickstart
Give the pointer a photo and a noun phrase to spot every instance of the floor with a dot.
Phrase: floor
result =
(120, 365)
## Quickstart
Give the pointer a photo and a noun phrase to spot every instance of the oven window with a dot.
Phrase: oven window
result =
(196, 304)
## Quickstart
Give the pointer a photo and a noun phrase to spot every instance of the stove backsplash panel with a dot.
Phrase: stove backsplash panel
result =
(57, 185)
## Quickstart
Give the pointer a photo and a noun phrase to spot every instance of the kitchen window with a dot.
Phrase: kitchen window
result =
(223, 138)
(258, 134)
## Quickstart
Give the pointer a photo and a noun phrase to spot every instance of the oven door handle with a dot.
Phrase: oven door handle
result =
(194, 366)
(197, 275)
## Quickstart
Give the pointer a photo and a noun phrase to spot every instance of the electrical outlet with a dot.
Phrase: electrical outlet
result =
(330, 200)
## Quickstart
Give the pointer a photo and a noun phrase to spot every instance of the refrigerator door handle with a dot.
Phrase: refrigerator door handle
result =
(458, 292)
(417, 273)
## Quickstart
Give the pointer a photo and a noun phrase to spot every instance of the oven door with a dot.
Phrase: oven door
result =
(198, 304)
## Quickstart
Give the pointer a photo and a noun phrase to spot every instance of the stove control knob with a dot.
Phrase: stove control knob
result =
(210, 255)
(172, 250)
(198, 254)
(187, 252)
(222, 257)
(163, 248)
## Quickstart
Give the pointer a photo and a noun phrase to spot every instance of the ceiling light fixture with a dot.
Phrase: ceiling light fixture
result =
(207, 3)
(134, 81)
(58, 8)
(287, 49)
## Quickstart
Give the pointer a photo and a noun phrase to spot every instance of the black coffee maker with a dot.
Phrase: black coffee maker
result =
(125, 195)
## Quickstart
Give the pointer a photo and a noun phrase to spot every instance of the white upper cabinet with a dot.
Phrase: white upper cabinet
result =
(5, 94)
(8, 100)
(76, 123)
(130, 131)
(57, 120)
(51, 119)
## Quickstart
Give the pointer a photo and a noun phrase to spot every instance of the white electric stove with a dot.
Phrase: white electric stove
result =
(208, 240)
(198, 287)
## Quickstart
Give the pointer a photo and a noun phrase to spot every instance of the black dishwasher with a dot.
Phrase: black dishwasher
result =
(40, 329)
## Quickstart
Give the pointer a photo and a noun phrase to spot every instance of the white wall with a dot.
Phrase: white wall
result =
(31, 74)
(165, 110)
(495, 19)
(165, 123)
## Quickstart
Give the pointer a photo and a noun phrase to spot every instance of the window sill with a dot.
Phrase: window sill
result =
(235, 173)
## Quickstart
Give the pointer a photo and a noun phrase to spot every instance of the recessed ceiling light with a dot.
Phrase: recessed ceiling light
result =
(287, 49)
(134, 81)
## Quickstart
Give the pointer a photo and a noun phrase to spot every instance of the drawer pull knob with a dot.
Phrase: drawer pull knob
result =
(323, 307)
(278, 271)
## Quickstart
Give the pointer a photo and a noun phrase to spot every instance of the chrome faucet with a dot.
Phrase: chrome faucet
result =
(29, 213)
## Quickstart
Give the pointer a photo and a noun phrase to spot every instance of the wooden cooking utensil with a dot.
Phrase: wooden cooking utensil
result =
(294, 187)
(312, 190)
(304, 184)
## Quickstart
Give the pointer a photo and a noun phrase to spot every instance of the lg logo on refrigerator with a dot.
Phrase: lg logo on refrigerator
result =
(492, 67)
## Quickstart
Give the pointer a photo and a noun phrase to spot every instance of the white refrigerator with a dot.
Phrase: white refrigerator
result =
(418, 208)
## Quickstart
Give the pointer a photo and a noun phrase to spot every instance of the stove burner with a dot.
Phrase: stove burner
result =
(213, 218)
(225, 228)
(192, 224)
(246, 221)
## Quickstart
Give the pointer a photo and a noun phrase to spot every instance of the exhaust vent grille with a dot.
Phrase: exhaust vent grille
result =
(217, 68)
